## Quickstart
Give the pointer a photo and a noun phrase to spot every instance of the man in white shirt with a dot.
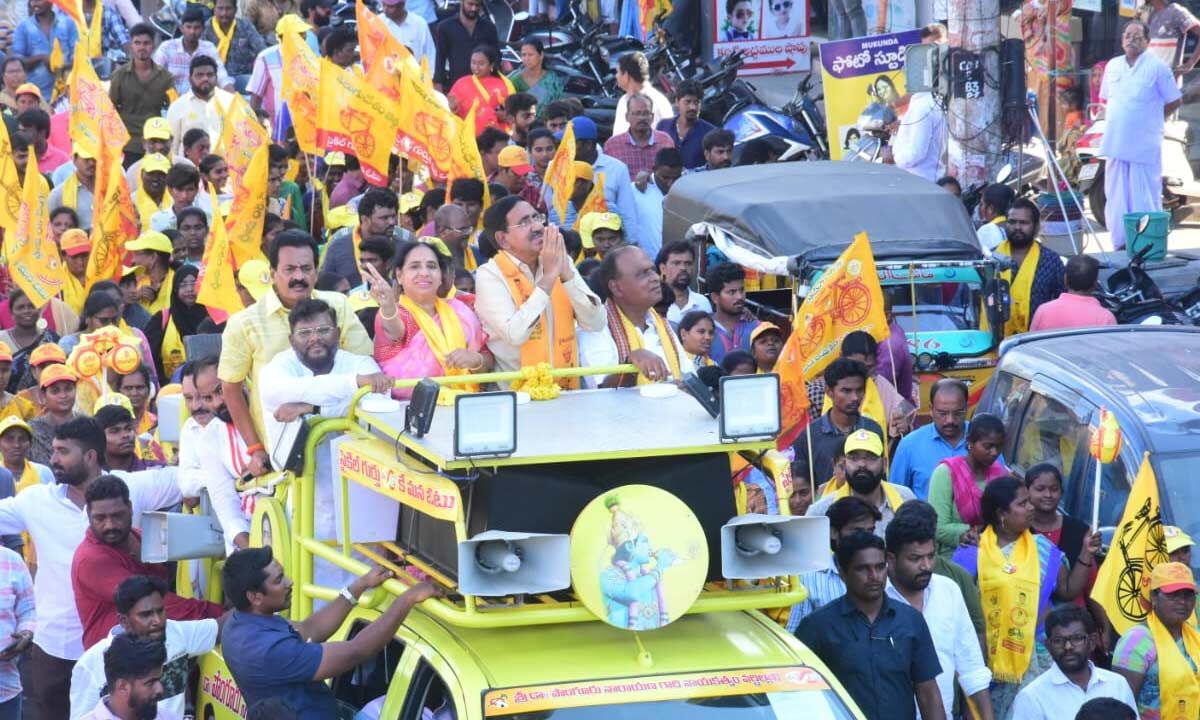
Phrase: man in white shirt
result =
(141, 614)
(223, 459)
(994, 203)
(635, 333)
(410, 29)
(911, 555)
(920, 143)
(677, 266)
(1140, 92)
(76, 187)
(54, 517)
(314, 376)
(1058, 693)
(633, 77)
(191, 434)
(201, 107)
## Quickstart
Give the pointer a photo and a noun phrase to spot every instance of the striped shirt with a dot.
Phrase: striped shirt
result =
(823, 586)
(16, 615)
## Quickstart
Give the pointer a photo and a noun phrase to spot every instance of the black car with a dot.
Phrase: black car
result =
(1049, 388)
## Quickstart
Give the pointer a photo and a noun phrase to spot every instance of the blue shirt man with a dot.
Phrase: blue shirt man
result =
(29, 40)
(618, 188)
(920, 452)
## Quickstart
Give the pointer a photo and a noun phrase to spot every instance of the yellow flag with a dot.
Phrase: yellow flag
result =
(217, 286)
(94, 121)
(465, 161)
(426, 126)
(383, 56)
(845, 298)
(244, 226)
(595, 202)
(32, 258)
(73, 10)
(560, 175)
(1123, 582)
(10, 182)
(241, 136)
(115, 222)
(58, 59)
(357, 119)
(301, 82)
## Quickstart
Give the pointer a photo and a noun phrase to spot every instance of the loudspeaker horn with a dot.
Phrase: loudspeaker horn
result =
(763, 546)
(496, 563)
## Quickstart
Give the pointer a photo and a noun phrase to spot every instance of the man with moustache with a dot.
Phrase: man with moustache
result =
(923, 449)
(846, 516)
(314, 376)
(913, 580)
(1038, 276)
(110, 553)
(410, 28)
(191, 479)
(845, 385)
(1062, 690)
(133, 669)
(865, 470)
(457, 37)
(257, 334)
(54, 517)
(635, 333)
(677, 265)
(879, 649)
(203, 106)
(142, 614)
(223, 458)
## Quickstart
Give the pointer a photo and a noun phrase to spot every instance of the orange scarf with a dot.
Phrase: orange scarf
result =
(559, 348)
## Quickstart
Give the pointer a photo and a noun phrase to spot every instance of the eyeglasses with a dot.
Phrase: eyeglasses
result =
(743, 14)
(528, 222)
(949, 414)
(324, 332)
(1060, 641)
(785, 5)
(461, 230)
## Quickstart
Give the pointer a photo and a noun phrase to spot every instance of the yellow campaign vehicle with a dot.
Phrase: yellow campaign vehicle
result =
(588, 546)
(785, 223)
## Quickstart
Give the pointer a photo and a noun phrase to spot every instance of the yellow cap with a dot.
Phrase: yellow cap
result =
(82, 152)
(75, 242)
(128, 270)
(863, 440)
(151, 240)
(341, 217)
(583, 171)
(763, 327)
(1171, 577)
(291, 23)
(56, 373)
(1176, 539)
(436, 243)
(410, 201)
(155, 162)
(335, 159)
(47, 353)
(112, 398)
(28, 89)
(516, 159)
(360, 300)
(593, 221)
(14, 421)
(156, 128)
(255, 276)
(5, 352)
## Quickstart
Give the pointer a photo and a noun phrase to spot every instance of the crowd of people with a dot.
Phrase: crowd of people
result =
(953, 585)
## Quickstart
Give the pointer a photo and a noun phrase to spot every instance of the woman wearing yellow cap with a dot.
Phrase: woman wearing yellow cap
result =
(41, 357)
(11, 405)
(16, 438)
(58, 386)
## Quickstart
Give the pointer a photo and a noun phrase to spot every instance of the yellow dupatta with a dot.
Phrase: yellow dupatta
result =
(73, 292)
(1009, 589)
(634, 336)
(146, 206)
(1020, 288)
(443, 338)
(1179, 685)
(173, 351)
(224, 39)
(70, 192)
(548, 342)
(890, 493)
(96, 32)
(872, 407)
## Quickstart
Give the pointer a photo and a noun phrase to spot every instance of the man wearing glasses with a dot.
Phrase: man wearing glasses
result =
(921, 450)
(781, 21)
(529, 296)
(1059, 692)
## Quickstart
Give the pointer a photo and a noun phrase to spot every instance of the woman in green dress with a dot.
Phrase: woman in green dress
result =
(534, 78)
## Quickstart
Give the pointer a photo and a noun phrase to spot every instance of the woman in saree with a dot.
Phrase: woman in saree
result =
(484, 89)
(533, 77)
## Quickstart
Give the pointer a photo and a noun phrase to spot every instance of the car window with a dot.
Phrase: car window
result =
(1008, 393)
(1115, 479)
(365, 687)
(1051, 432)
(428, 696)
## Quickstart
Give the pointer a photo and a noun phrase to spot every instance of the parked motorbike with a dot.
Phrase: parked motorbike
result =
(1180, 186)
(1133, 296)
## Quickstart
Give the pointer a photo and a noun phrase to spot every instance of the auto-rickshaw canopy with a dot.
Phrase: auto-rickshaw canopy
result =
(812, 210)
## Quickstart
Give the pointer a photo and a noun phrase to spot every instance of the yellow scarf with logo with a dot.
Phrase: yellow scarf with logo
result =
(96, 31)
(224, 39)
(872, 407)
(1020, 288)
(173, 351)
(1009, 589)
(146, 207)
(633, 337)
(1179, 685)
(890, 493)
(443, 338)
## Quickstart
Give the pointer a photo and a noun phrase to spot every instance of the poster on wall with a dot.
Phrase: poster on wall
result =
(771, 34)
(863, 78)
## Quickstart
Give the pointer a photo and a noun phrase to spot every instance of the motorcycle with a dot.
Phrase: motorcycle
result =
(1180, 186)
(795, 131)
(1133, 296)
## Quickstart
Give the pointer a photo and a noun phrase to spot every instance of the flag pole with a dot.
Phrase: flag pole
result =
(1096, 496)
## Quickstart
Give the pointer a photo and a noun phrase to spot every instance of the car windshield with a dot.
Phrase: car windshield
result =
(809, 704)
(939, 307)
(1182, 499)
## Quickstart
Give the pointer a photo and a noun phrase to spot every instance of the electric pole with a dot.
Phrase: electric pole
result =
(974, 103)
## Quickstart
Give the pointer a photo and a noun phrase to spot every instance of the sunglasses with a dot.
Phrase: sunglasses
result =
(785, 5)
(743, 14)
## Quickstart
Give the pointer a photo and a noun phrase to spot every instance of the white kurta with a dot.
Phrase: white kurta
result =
(598, 349)
(1135, 96)
(920, 143)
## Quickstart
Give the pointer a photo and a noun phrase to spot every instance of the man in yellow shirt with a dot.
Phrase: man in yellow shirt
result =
(257, 334)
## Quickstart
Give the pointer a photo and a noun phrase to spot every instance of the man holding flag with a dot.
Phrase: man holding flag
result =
(35, 39)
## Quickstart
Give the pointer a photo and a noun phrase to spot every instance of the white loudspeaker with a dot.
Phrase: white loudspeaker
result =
(170, 412)
(497, 562)
(168, 536)
(763, 546)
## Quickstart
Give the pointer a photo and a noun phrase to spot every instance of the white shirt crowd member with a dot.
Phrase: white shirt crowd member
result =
(920, 142)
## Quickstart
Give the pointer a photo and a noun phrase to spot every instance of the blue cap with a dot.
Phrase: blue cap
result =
(585, 129)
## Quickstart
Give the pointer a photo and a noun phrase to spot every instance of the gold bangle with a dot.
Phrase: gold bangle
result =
(393, 316)
(482, 362)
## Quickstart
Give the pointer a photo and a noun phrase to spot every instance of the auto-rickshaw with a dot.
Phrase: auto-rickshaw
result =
(588, 546)
(785, 222)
